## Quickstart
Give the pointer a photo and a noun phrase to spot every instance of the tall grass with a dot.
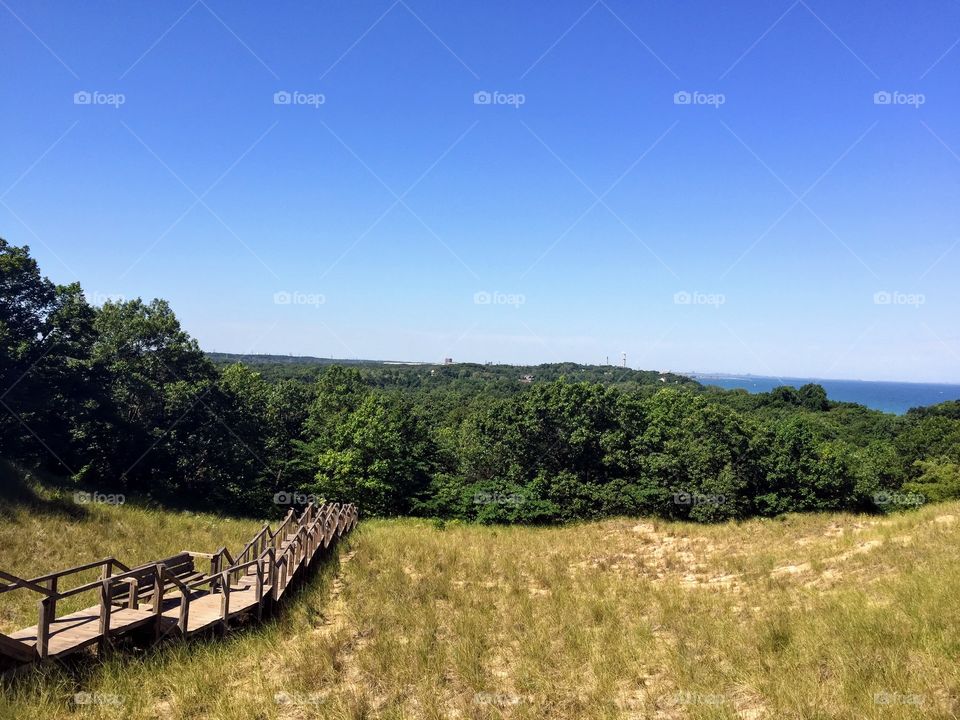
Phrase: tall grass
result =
(828, 616)
(43, 530)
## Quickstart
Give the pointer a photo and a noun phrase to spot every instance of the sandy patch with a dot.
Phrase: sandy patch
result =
(860, 549)
(786, 570)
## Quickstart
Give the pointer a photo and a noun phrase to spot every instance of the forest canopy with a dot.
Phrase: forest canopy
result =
(119, 398)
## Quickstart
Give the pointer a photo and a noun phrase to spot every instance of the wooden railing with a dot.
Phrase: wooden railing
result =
(267, 565)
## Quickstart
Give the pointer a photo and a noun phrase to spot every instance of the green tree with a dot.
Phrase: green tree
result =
(366, 448)
(813, 397)
(938, 480)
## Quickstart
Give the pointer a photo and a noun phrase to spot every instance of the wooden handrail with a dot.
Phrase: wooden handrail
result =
(19, 582)
(183, 620)
(74, 570)
(93, 585)
(253, 541)
(276, 558)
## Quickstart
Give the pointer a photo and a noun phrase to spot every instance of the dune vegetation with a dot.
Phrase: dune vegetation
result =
(43, 529)
(803, 616)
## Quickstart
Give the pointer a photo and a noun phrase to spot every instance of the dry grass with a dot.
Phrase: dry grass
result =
(810, 617)
(53, 532)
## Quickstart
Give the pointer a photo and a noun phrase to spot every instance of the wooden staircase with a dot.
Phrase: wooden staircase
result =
(171, 597)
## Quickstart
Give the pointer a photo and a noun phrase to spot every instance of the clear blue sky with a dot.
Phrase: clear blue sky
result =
(813, 230)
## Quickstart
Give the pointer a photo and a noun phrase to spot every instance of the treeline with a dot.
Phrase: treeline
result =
(120, 399)
(463, 377)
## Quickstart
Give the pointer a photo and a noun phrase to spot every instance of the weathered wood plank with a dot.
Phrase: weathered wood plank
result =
(167, 592)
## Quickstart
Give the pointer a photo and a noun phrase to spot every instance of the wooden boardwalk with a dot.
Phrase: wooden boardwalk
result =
(171, 597)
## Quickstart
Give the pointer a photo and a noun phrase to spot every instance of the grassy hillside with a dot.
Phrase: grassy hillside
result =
(43, 530)
(818, 616)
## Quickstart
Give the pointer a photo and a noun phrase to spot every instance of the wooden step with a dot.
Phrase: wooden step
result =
(80, 629)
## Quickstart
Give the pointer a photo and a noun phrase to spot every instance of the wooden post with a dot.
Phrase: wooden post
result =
(184, 622)
(224, 601)
(46, 615)
(104, 643)
(133, 588)
(158, 571)
(259, 589)
(52, 584)
(272, 559)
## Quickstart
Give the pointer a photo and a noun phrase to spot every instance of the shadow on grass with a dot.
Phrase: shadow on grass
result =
(73, 674)
(19, 489)
(44, 493)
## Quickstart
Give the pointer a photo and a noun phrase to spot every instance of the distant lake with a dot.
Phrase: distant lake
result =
(893, 397)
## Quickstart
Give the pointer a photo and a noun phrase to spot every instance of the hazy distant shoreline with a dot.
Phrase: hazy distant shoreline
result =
(885, 395)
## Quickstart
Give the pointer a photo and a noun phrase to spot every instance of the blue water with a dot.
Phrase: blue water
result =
(893, 397)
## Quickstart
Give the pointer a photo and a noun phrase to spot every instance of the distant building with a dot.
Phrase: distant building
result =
(526, 378)
(448, 361)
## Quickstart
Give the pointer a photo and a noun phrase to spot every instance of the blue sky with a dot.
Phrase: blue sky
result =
(787, 220)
